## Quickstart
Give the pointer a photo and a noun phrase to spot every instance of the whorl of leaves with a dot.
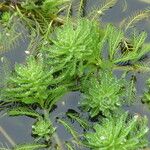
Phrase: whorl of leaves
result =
(122, 49)
(43, 128)
(104, 94)
(119, 133)
(30, 83)
(74, 47)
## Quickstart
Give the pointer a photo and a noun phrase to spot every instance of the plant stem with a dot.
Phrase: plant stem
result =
(7, 136)
(59, 20)
(69, 11)
(80, 10)
(132, 68)
(55, 135)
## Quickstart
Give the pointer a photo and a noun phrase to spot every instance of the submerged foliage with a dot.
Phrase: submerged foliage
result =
(32, 83)
(34, 16)
(29, 83)
(42, 12)
(73, 46)
(118, 133)
(74, 55)
(103, 94)
(43, 129)
(32, 146)
(83, 48)
(146, 97)
(11, 32)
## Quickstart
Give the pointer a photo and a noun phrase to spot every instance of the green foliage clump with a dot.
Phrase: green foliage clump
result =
(73, 55)
(146, 97)
(82, 47)
(24, 111)
(47, 6)
(119, 133)
(30, 84)
(121, 49)
(72, 47)
(6, 17)
(103, 94)
(11, 32)
(52, 6)
(32, 146)
(42, 12)
(43, 129)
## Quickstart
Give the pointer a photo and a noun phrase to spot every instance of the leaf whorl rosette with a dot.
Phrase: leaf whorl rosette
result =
(32, 83)
(117, 133)
(104, 94)
(43, 128)
(72, 47)
(29, 83)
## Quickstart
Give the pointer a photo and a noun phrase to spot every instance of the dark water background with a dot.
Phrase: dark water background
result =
(19, 128)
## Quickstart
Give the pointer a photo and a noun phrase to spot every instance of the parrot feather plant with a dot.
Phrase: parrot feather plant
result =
(75, 53)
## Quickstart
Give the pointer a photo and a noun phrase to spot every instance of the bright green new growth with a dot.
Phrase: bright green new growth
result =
(75, 47)
(6, 17)
(32, 83)
(47, 6)
(146, 97)
(29, 83)
(103, 94)
(43, 129)
(119, 133)
(122, 49)
(81, 48)
(50, 6)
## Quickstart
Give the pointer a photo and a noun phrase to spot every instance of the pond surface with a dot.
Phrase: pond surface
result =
(19, 128)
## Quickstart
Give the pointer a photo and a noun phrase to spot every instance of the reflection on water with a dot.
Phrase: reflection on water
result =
(19, 128)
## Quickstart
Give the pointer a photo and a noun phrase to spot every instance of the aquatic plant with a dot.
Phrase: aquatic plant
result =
(10, 36)
(32, 146)
(30, 17)
(130, 21)
(122, 49)
(73, 46)
(43, 129)
(99, 11)
(41, 12)
(104, 94)
(32, 83)
(74, 52)
(118, 133)
(146, 97)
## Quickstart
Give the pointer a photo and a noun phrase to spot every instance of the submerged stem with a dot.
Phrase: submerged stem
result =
(80, 10)
(55, 135)
(132, 68)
